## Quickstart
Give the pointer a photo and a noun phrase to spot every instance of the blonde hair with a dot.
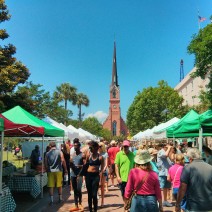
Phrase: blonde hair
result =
(103, 146)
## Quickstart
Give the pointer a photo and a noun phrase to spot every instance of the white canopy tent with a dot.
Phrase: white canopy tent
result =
(160, 130)
(70, 134)
(157, 132)
(81, 135)
(90, 136)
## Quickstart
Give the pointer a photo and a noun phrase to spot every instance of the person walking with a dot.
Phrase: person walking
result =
(103, 184)
(163, 164)
(76, 163)
(53, 162)
(146, 184)
(112, 151)
(124, 162)
(66, 154)
(92, 178)
(196, 183)
(174, 174)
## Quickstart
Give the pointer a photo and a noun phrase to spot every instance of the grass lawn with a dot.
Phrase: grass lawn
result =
(15, 160)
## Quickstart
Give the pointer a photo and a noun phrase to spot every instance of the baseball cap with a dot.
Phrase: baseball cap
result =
(126, 143)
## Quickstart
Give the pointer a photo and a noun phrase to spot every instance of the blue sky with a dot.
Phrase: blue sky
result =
(72, 41)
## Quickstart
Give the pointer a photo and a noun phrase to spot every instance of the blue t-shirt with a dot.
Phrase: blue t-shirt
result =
(163, 163)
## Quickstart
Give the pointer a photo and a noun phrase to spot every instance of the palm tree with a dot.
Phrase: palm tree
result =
(65, 92)
(82, 99)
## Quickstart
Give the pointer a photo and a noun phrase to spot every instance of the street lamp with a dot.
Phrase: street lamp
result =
(165, 111)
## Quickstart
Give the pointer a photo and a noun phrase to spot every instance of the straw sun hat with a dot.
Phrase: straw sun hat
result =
(143, 157)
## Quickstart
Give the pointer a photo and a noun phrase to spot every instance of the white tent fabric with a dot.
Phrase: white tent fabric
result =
(81, 135)
(160, 130)
(90, 136)
(136, 137)
(142, 135)
(157, 132)
(68, 133)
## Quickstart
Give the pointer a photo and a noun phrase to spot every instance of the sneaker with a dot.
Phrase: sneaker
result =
(112, 186)
(60, 201)
(167, 204)
(51, 203)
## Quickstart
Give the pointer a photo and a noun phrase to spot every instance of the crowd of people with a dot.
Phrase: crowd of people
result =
(147, 175)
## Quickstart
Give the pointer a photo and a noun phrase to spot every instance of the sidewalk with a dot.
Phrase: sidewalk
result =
(113, 202)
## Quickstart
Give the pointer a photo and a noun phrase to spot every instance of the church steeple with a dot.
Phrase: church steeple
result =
(114, 70)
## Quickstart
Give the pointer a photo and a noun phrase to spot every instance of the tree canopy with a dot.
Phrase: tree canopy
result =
(12, 71)
(201, 47)
(153, 106)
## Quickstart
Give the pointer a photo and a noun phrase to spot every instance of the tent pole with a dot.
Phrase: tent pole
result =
(1, 168)
(41, 176)
(200, 139)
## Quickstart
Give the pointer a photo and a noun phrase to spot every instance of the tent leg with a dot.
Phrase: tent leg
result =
(41, 175)
(1, 168)
(200, 140)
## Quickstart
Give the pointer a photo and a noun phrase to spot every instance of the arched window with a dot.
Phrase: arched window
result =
(114, 93)
(114, 128)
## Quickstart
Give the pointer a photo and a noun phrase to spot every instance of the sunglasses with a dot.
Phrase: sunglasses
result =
(100, 146)
(125, 146)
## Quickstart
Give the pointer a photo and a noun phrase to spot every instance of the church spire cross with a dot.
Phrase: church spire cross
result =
(114, 70)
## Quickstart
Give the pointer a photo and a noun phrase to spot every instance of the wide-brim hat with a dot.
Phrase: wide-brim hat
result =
(153, 151)
(143, 157)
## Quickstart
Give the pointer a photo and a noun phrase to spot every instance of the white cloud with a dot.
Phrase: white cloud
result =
(100, 115)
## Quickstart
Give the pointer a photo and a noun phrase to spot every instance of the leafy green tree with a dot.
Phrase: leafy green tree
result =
(12, 72)
(201, 47)
(106, 134)
(92, 125)
(37, 101)
(81, 99)
(204, 102)
(153, 106)
(67, 93)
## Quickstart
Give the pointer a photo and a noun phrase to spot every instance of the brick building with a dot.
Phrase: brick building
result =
(114, 121)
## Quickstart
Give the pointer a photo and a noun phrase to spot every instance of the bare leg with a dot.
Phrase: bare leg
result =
(165, 194)
(102, 190)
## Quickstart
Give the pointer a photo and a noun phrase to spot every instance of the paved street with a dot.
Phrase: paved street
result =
(113, 202)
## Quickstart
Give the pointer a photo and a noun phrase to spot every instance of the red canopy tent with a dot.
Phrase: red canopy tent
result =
(12, 129)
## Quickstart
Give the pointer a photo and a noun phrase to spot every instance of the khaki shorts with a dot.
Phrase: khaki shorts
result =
(54, 179)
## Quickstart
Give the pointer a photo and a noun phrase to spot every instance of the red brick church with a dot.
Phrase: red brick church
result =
(114, 121)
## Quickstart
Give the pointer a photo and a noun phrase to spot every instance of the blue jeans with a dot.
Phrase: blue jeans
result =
(144, 204)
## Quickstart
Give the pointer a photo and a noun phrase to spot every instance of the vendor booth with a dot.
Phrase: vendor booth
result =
(20, 123)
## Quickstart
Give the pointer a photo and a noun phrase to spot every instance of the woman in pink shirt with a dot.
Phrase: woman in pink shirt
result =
(146, 183)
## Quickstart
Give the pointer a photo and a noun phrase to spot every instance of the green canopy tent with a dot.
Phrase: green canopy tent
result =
(206, 122)
(187, 126)
(20, 116)
(193, 125)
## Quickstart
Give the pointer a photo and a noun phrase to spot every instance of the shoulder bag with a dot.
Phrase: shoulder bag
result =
(134, 192)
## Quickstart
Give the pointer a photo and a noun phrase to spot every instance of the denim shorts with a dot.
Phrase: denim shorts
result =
(144, 203)
(164, 183)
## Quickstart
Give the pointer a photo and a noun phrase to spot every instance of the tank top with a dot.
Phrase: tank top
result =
(95, 162)
(54, 161)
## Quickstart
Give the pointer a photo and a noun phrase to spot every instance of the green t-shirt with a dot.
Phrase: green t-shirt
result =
(125, 164)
